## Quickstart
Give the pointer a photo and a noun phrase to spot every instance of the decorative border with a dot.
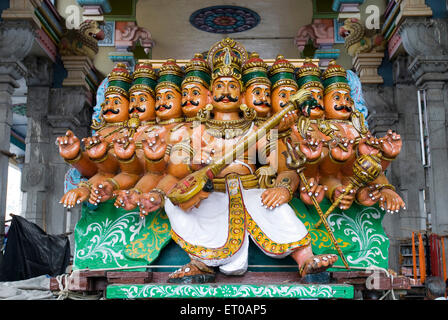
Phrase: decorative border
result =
(297, 291)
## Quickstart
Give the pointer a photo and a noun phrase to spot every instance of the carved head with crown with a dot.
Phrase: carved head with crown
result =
(115, 106)
(338, 103)
(257, 90)
(168, 91)
(226, 58)
(308, 77)
(281, 75)
(142, 92)
(196, 86)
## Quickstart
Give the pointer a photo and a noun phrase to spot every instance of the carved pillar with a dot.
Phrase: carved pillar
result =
(69, 108)
(36, 173)
(16, 38)
(426, 41)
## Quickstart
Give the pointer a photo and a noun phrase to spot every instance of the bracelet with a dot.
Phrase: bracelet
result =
(75, 159)
(85, 184)
(154, 161)
(317, 160)
(114, 183)
(127, 160)
(162, 195)
(285, 183)
(386, 186)
(100, 159)
(381, 156)
(334, 160)
(137, 190)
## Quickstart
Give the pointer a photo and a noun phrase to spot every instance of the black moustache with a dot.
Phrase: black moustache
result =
(347, 108)
(260, 103)
(228, 96)
(111, 111)
(163, 106)
(195, 103)
(282, 104)
(139, 109)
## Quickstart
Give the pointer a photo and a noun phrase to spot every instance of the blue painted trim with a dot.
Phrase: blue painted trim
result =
(17, 142)
(105, 5)
(4, 4)
(337, 3)
(439, 8)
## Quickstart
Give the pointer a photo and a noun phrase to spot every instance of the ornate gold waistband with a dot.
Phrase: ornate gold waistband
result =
(249, 181)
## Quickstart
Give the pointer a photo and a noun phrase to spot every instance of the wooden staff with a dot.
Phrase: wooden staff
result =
(297, 162)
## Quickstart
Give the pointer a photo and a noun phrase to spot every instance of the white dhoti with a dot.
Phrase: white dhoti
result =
(217, 233)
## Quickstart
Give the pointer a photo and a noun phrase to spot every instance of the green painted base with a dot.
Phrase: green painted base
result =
(298, 291)
(358, 231)
(108, 238)
(111, 238)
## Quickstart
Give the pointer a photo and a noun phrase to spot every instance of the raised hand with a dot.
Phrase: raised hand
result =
(69, 145)
(101, 191)
(347, 200)
(154, 147)
(315, 189)
(311, 148)
(368, 196)
(391, 144)
(368, 145)
(74, 197)
(124, 147)
(288, 121)
(390, 201)
(337, 147)
(96, 147)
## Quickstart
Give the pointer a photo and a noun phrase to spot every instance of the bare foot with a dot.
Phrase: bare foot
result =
(193, 272)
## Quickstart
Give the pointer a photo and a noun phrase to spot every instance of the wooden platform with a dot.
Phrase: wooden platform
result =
(147, 285)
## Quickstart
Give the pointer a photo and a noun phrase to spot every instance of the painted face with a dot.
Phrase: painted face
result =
(115, 108)
(168, 104)
(226, 93)
(258, 97)
(317, 112)
(280, 97)
(194, 97)
(338, 104)
(142, 104)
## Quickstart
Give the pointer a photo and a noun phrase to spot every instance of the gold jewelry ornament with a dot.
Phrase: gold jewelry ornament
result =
(75, 159)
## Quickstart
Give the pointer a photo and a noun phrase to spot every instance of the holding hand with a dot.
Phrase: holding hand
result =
(69, 145)
(314, 189)
(96, 147)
